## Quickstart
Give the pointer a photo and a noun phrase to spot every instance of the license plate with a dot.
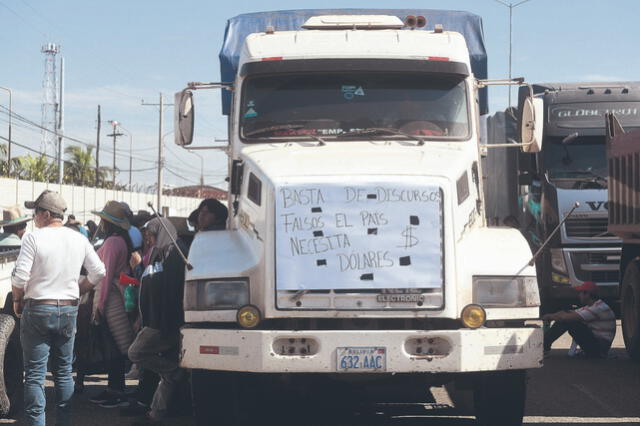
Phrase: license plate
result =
(361, 359)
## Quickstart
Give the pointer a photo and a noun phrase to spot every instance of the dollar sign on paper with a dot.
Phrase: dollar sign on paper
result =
(410, 240)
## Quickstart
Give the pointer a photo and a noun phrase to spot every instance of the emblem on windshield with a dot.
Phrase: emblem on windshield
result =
(251, 113)
(349, 92)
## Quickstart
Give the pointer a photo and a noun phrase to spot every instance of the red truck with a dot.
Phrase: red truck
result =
(623, 154)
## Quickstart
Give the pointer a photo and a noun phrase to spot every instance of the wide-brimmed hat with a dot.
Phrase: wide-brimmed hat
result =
(114, 212)
(48, 200)
(13, 216)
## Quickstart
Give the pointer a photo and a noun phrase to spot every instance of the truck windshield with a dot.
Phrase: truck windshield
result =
(583, 159)
(285, 107)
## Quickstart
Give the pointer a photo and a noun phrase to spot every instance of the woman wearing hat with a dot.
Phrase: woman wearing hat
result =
(109, 299)
(14, 225)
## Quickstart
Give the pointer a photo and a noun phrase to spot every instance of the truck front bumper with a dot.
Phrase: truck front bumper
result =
(440, 351)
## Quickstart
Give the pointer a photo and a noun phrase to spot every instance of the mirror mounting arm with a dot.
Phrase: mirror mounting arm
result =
(517, 81)
(198, 85)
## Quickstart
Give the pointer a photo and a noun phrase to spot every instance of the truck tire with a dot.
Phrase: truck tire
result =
(13, 365)
(221, 398)
(630, 302)
(499, 398)
(7, 324)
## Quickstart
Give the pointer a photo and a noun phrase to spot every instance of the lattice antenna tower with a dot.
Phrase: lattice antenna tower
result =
(49, 144)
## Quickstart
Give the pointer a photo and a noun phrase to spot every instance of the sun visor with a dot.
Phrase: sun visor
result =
(239, 27)
(347, 65)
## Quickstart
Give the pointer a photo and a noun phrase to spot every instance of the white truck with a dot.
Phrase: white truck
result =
(357, 249)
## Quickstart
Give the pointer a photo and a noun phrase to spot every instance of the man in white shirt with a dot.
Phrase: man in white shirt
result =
(45, 295)
(593, 326)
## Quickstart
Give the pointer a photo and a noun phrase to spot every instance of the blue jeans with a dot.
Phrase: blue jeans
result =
(48, 330)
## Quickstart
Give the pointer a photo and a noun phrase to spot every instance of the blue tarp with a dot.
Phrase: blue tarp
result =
(239, 27)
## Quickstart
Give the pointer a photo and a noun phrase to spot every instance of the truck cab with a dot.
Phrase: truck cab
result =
(572, 167)
(623, 156)
(357, 244)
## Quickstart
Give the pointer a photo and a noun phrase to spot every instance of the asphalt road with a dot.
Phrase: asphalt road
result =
(564, 392)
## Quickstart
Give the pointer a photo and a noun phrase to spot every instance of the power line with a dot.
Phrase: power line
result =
(33, 27)
(43, 18)
(79, 141)
(33, 125)
(13, 142)
(55, 158)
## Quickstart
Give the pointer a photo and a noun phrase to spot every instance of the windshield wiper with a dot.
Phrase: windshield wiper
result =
(286, 127)
(321, 141)
(273, 128)
(378, 130)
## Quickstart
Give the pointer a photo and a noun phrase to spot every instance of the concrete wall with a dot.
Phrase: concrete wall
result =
(82, 200)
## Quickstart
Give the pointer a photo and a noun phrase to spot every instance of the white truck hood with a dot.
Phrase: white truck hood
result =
(446, 159)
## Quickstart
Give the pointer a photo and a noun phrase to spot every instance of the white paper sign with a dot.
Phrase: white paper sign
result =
(352, 235)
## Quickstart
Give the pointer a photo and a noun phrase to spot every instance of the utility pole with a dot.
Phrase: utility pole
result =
(511, 6)
(98, 151)
(160, 154)
(130, 151)
(115, 135)
(9, 145)
(60, 125)
(201, 172)
(161, 104)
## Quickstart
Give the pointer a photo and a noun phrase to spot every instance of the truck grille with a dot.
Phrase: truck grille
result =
(587, 228)
(596, 266)
(363, 299)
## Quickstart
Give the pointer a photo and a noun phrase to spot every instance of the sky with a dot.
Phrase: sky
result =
(122, 54)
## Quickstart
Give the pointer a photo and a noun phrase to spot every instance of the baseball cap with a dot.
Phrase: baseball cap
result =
(588, 286)
(48, 200)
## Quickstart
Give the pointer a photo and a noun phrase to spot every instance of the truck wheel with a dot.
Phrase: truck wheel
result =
(630, 301)
(7, 324)
(221, 398)
(13, 365)
(499, 398)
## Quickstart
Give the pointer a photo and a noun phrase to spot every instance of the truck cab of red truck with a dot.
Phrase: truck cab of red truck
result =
(623, 155)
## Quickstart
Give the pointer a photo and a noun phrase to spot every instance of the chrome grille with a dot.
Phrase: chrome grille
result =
(596, 266)
(587, 228)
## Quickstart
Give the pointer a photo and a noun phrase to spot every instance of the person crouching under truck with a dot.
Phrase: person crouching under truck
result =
(593, 326)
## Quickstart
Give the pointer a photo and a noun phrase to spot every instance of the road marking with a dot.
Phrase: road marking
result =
(595, 399)
(542, 420)
(584, 420)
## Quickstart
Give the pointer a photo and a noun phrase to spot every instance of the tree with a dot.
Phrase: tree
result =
(80, 167)
(35, 168)
(3, 159)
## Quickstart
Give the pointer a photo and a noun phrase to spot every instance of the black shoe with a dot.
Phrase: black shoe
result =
(115, 401)
(134, 409)
(101, 397)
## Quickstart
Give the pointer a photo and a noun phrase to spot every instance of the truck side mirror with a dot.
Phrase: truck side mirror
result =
(532, 124)
(237, 170)
(183, 122)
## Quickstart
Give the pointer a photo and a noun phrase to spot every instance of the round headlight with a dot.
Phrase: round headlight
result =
(473, 316)
(248, 316)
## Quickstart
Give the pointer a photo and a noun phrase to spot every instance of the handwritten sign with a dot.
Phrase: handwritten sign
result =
(338, 235)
